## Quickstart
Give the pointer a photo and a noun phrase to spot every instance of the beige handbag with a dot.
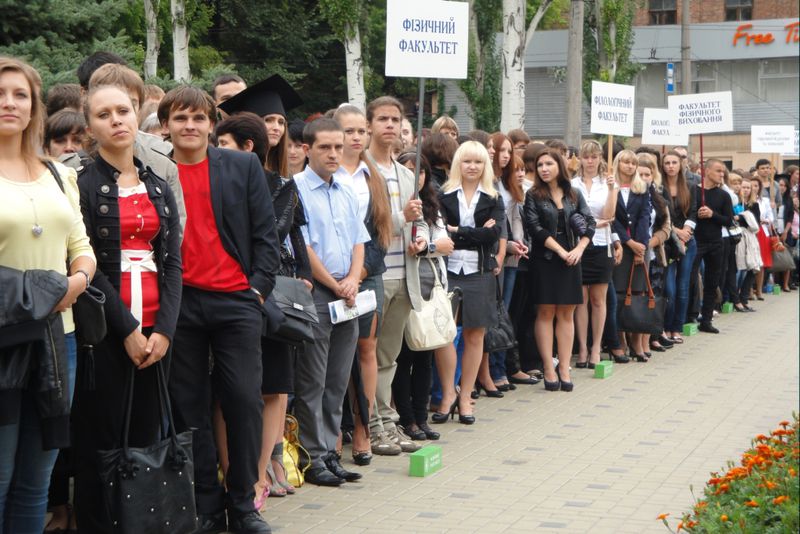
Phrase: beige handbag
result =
(433, 326)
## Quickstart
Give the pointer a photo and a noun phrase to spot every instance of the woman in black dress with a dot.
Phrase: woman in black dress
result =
(132, 221)
(561, 227)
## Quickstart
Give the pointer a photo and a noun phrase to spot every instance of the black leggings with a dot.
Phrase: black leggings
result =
(411, 387)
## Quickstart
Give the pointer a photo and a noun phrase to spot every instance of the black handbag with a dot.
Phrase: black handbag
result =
(151, 489)
(290, 312)
(90, 317)
(501, 336)
(641, 313)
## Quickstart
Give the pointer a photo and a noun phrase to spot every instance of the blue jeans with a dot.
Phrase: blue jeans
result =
(25, 468)
(610, 331)
(676, 289)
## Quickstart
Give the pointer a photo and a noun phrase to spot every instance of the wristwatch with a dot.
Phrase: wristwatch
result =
(431, 248)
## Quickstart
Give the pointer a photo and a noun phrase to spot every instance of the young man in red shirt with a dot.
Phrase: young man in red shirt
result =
(230, 257)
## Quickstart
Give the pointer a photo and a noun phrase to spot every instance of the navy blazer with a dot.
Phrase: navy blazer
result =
(244, 215)
(479, 238)
(632, 221)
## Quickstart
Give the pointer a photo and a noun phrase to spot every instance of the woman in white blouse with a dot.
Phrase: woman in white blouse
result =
(600, 258)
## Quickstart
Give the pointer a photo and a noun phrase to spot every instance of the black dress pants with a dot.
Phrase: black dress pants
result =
(411, 387)
(727, 277)
(710, 253)
(227, 325)
(97, 420)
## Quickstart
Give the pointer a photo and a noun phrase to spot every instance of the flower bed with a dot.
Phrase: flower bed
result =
(759, 496)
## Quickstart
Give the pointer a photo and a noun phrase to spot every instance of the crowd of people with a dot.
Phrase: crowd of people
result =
(186, 208)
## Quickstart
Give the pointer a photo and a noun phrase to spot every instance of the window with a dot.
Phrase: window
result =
(738, 9)
(664, 12)
(778, 80)
(704, 77)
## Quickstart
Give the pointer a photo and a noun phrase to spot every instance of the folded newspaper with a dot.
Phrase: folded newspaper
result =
(341, 312)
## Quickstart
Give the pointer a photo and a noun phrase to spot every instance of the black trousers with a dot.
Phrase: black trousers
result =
(727, 277)
(411, 387)
(747, 286)
(710, 253)
(227, 325)
(97, 419)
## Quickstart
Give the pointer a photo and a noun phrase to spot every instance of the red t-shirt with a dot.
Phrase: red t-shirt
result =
(206, 263)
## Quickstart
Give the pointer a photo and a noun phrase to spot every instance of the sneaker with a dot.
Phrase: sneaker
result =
(382, 445)
(406, 444)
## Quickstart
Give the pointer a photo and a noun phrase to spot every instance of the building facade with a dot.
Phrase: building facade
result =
(754, 54)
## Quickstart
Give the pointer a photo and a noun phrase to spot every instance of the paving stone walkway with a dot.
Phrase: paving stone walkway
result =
(608, 457)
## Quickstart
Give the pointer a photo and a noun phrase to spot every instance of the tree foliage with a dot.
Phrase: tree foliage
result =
(483, 84)
(607, 41)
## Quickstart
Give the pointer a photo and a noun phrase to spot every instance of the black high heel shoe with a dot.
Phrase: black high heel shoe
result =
(581, 365)
(438, 418)
(466, 419)
(552, 386)
(429, 432)
(567, 386)
(496, 394)
(620, 358)
(641, 357)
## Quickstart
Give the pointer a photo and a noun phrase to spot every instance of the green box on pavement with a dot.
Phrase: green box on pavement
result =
(727, 307)
(776, 289)
(425, 461)
(604, 369)
(690, 329)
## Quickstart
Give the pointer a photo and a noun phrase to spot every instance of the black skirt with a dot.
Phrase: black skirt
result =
(596, 266)
(554, 282)
(277, 367)
(479, 298)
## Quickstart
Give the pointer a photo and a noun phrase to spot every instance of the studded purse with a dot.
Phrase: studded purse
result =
(151, 489)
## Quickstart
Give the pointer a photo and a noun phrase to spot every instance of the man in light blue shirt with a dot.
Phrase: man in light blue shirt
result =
(335, 237)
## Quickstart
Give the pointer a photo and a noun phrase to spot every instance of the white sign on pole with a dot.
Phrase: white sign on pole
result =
(657, 129)
(427, 39)
(612, 109)
(702, 113)
(771, 139)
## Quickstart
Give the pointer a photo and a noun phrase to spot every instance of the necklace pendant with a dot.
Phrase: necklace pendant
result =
(37, 230)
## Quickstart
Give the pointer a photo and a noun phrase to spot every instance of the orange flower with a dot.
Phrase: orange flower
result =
(662, 516)
(723, 518)
(770, 485)
(680, 526)
(792, 472)
(761, 437)
(751, 503)
(784, 423)
(779, 499)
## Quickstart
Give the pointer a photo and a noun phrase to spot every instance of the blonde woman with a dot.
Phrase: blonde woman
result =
(473, 213)
(40, 227)
(446, 125)
(632, 225)
(597, 188)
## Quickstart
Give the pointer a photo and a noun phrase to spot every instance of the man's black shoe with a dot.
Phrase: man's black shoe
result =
(322, 477)
(708, 328)
(335, 467)
(249, 523)
(211, 524)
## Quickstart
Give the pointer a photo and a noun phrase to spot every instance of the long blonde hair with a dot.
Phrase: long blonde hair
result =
(471, 149)
(638, 186)
(32, 134)
(589, 148)
(649, 161)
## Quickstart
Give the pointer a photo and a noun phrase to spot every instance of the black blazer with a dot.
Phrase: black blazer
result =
(541, 220)
(244, 215)
(97, 183)
(484, 240)
(633, 217)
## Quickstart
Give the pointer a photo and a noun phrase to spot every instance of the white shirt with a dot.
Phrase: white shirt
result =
(395, 258)
(358, 181)
(465, 261)
(596, 199)
(767, 215)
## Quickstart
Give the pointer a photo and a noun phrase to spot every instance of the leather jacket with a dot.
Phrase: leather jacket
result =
(541, 221)
(33, 353)
(289, 218)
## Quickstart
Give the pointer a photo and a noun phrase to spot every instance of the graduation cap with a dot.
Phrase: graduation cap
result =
(273, 96)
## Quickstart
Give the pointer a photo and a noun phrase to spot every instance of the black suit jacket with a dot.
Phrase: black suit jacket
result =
(633, 217)
(244, 215)
(479, 238)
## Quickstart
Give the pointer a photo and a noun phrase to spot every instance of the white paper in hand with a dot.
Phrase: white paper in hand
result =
(341, 312)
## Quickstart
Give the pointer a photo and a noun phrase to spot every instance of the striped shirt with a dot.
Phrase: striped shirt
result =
(395, 259)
